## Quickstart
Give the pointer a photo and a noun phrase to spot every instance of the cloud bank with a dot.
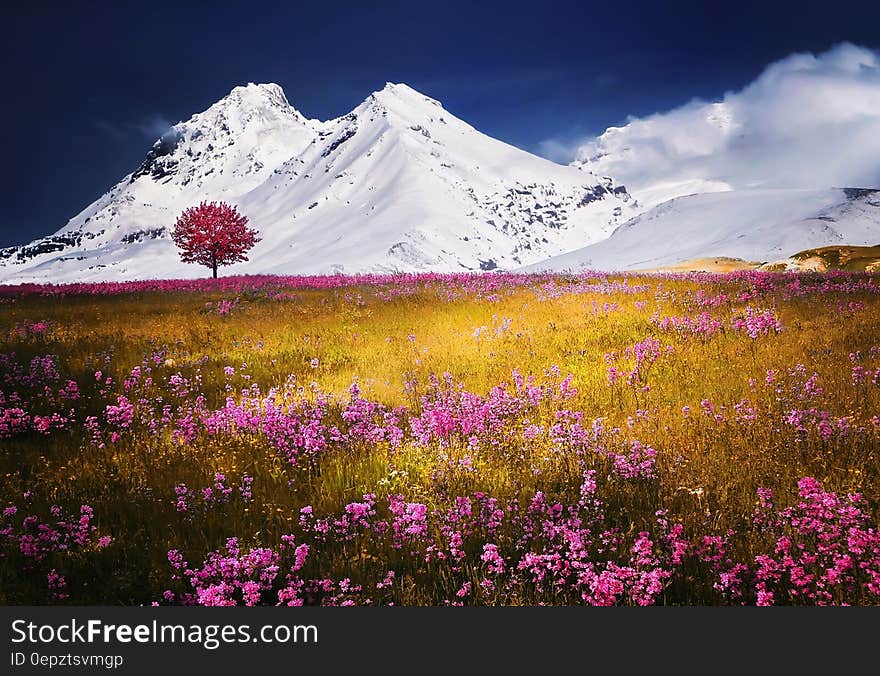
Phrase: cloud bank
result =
(810, 121)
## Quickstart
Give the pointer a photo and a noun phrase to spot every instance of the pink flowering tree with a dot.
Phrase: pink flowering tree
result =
(213, 234)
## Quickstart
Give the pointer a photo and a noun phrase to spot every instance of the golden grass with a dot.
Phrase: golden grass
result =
(716, 264)
(708, 472)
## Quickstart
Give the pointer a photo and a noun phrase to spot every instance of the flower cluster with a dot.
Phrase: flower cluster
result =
(822, 550)
(633, 366)
(33, 543)
(28, 330)
(756, 322)
(222, 307)
(702, 325)
(215, 495)
(35, 397)
(520, 550)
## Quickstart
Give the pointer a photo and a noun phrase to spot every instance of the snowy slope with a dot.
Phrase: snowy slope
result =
(397, 184)
(754, 225)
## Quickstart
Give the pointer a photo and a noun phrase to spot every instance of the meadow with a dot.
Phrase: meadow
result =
(495, 439)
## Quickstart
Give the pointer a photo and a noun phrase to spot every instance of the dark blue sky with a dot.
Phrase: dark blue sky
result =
(88, 86)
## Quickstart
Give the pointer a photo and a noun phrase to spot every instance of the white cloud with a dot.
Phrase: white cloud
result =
(150, 127)
(806, 121)
(153, 126)
(555, 149)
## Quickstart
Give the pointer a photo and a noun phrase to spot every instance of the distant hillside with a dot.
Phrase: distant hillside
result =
(851, 258)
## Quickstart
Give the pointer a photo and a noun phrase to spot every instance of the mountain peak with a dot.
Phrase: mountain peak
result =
(399, 88)
(398, 92)
(258, 95)
(251, 106)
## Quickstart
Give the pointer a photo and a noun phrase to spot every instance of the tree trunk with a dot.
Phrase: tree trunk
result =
(214, 268)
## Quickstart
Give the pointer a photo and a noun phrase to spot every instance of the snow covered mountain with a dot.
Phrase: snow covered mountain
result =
(755, 225)
(398, 184)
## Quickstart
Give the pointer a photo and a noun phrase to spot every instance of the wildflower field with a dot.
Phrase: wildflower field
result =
(443, 439)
